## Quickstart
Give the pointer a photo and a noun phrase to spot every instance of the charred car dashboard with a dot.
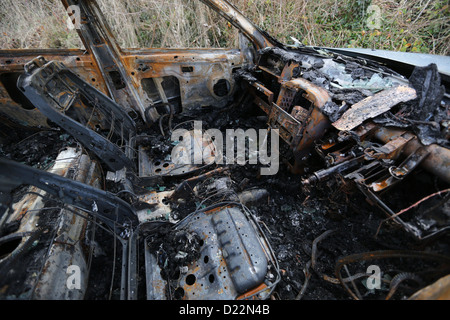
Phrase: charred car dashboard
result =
(96, 201)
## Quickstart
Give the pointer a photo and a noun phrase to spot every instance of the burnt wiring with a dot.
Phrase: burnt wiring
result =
(394, 283)
(113, 266)
(411, 207)
(170, 115)
(63, 205)
(160, 124)
(315, 243)
(312, 264)
(398, 279)
(307, 274)
(383, 254)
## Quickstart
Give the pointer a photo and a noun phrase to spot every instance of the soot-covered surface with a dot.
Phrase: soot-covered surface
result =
(309, 230)
(335, 215)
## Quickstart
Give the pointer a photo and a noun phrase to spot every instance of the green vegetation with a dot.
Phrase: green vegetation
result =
(415, 26)
(400, 25)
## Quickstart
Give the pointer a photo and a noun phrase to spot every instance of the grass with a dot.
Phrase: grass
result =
(35, 24)
(412, 26)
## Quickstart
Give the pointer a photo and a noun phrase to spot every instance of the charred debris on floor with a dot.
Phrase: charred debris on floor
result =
(89, 178)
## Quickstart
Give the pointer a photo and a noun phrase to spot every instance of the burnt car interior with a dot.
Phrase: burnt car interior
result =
(88, 176)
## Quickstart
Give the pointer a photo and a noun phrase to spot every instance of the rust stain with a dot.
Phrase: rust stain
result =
(246, 295)
(317, 95)
(328, 145)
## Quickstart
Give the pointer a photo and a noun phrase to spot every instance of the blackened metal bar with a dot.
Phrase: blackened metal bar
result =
(52, 89)
(71, 192)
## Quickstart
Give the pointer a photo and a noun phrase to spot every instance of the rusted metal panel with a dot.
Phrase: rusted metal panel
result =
(287, 125)
(77, 60)
(55, 89)
(233, 262)
(13, 105)
(390, 150)
(101, 44)
(316, 123)
(299, 126)
(439, 290)
(208, 70)
(397, 174)
(317, 95)
(438, 161)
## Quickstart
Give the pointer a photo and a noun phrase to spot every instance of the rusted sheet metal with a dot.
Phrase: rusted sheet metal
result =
(236, 261)
(14, 105)
(390, 150)
(285, 97)
(288, 89)
(304, 124)
(233, 259)
(198, 73)
(287, 125)
(299, 113)
(317, 95)
(373, 106)
(101, 44)
(316, 124)
(397, 174)
(261, 88)
(159, 207)
(205, 76)
(439, 290)
(13, 61)
(288, 72)
(14, 111)
(315, 127)
(438, 160)
(54, 89)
